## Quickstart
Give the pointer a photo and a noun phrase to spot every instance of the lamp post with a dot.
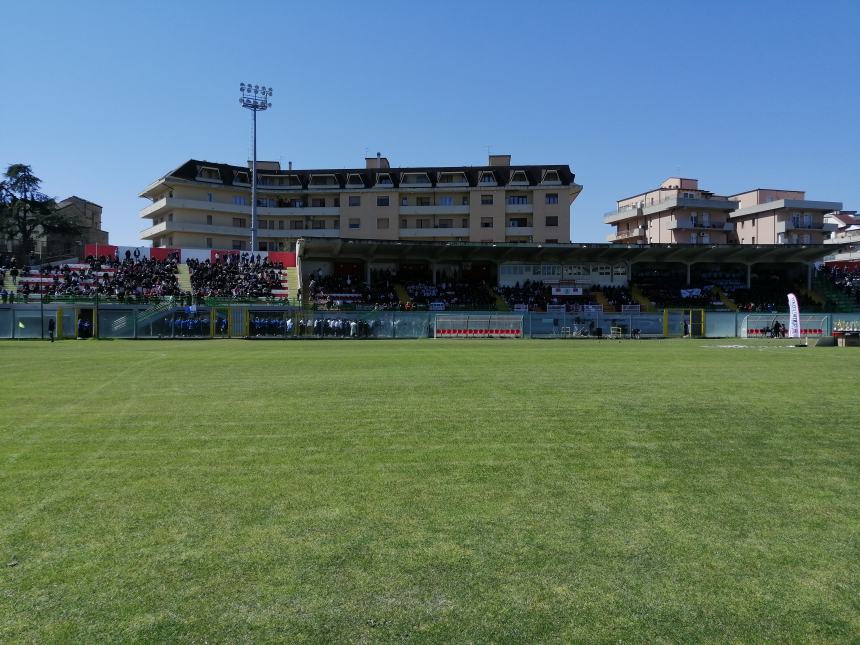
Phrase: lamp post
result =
(256, 99)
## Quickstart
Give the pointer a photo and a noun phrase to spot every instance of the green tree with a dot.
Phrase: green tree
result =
(26, 213)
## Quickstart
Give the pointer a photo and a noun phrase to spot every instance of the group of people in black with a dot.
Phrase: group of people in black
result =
(333, 291)
(235, 276)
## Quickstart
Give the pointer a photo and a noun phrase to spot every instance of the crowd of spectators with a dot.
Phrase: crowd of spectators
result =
(128, 279)
(452, 293)
(538, 295)
(845, 279)
(234, 276)
(535, 294)
(334, 291)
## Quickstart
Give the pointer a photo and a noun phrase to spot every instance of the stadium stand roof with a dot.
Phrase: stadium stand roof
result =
(373, 250)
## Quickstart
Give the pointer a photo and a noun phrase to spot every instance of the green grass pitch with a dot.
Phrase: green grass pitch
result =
(428, 491)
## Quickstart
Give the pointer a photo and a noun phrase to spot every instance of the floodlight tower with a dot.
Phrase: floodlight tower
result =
(256, 99)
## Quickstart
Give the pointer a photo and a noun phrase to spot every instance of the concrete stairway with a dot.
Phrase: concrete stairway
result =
(641, 298)
(728, 303)
(183, 277)
(501, 304)
(601, 299)
(292, 282)
(400, 290)
(826, 289)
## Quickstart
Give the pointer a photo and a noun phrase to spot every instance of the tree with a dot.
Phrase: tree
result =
(26, 212)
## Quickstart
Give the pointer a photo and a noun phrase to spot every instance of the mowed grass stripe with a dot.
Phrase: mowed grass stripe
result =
(425, 491)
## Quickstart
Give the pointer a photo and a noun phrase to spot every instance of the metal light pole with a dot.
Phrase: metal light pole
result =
(256, 99)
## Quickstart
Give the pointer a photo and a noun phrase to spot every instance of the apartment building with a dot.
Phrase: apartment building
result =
(769, 216)
(676, 212)
(679, 212)
(202, 204)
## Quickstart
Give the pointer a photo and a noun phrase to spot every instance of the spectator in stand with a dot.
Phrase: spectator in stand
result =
(232, 276)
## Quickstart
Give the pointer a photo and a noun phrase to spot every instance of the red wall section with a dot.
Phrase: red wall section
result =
(99, 249)
(164, 253)
(288, 259)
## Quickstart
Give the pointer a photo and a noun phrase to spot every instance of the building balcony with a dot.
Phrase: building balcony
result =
(613, 217)
(235, 231)
(434, 232)
(630, 235)
(519, 230)
(519, 208)
(819, 227)
(436, 209)
(173, 203)
(300, 211)
(675, 224)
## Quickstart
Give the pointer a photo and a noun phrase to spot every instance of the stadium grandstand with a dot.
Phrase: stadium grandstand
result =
(329, 284)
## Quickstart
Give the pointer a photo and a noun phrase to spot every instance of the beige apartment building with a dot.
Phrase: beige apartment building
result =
(207, 205)
(768, 216)
(677, 212)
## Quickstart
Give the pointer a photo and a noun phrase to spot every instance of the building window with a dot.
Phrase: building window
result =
(446, 201)
(209, 196)
(318, 224)
(354, 222)
(465, 200)
(335, 224)
(552, 220)
(446, 223)
(465, 222)
(208, 242)
(241, 178)
(552, 198)
(404, 223)
(240, 201)
(404, 201)
(337, 202)
(486, 222)
(318, 202)
(209, 220)
(280, 224)
(209, 174)
(422, 223)
(239, 222)
(238, 245)
(486, 200)
(382, 201)
(381, 222)
(518, 199)
(170, 217)
(354, 200)
(422, 201)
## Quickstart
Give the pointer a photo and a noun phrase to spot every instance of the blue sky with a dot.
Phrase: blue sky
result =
(107, 97)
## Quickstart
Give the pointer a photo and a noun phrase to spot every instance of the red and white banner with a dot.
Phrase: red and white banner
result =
(181, 255)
